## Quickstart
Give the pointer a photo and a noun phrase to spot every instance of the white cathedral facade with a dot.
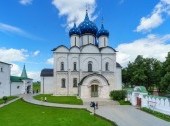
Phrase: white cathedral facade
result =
(88, 68)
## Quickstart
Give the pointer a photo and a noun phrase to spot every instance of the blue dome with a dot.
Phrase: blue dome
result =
(102, 31)
(88, 26)
(74, 30)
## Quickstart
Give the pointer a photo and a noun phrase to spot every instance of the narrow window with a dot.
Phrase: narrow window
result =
(104, 41)
(88, 39)
(75, 66)
(89, 66)
(75, 41)
(74, 82)
(63, 83)
(1, 69)
(62, 65)
(107, 66)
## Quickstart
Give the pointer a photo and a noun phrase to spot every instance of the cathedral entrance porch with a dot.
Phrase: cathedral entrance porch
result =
(94, 86)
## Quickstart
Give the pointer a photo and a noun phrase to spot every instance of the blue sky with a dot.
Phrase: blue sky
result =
(29, 29)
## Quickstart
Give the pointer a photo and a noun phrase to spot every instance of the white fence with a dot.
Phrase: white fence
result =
(160, 104)
(138, 96)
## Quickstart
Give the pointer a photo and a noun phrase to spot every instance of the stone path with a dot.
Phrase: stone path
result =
(2, 105)
(123, 115)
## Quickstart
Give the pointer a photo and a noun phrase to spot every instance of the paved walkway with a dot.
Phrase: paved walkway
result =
(122, 115)
(2, 105)
(130, 116)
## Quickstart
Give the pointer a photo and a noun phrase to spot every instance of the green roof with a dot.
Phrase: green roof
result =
(18, 79)
(141, 89)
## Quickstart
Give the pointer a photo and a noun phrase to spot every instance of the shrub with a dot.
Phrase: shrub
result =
(5, 98)
(118, 95)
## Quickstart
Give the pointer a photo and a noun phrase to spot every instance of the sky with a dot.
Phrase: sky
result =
(30, 29)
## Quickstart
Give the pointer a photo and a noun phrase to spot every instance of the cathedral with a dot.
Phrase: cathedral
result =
(88, 68)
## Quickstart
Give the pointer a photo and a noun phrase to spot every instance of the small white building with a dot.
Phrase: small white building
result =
(5, 71)
(88, 68)
(22, 84)
(13, 85)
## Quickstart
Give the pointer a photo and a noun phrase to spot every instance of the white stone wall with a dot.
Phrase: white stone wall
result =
(160, 104)
(103, 41)
(4, 80)
(75, 40)
(87, 39)
(118, 79)
(21, 87)
(47, 85)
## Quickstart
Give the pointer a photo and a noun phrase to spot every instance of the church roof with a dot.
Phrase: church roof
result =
(102, 32)
(87, 26)
(24, 73)
(74, 31)
(18, 79)
(118, 65)
(5, 63)
(46, 73)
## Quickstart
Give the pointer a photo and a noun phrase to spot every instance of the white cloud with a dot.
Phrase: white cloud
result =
(156, 18)
(25, 2)
(6, 28)
(151, 46)
(75, 9)
(12, 29)
(15, 70)
(34, 75)
(13, 55)
(36, 53)
(50, 61)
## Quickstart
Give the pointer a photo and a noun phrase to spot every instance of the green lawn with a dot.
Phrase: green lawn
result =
(9, 99)
(21, 113)
(60, 99)
(122, 102)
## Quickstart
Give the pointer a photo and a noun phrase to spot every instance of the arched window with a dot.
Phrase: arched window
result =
(63, 83)
(74, 82)
(90, 69)
(75, 66)
(107, 66)
(62, 66)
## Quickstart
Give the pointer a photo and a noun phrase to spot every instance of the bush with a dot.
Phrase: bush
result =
(118, 95)
(5, 98)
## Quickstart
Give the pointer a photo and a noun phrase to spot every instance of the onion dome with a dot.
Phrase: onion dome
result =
(102, 31)
(75, 30)
(88, 26)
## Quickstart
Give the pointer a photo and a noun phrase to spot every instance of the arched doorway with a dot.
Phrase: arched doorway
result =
(28, 89)
(94, 90)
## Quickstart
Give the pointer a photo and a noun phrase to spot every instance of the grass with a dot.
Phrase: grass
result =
(122, 102)
(9, 99)
(157, 114)
(60, 99)
(21, 113)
